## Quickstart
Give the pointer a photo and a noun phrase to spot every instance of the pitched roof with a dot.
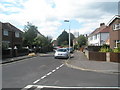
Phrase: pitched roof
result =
(100, 30)
(115, 17)
(10, 27)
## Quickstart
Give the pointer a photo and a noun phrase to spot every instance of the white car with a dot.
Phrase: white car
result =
(62, 53)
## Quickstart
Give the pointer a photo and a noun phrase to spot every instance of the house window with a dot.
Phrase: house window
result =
(116, 26)
(5, 32)
(91, 38)
(17, 34)
(117, 43)
(96, 36)
(5, 44)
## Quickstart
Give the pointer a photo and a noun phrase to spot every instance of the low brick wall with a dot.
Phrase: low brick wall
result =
(6, 53)
(115, 57)
(98, 56)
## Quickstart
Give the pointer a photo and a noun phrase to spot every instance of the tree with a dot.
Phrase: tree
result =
(29, 34)
(82, 40)
(44, 43)
(63, 39)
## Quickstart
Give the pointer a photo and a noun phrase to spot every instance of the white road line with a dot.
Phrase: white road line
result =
(43, 77)
(47, 74)
(61, 65)
(42, 86)
(53, 70)
(57, 67)
(28, 86)
(36, 81)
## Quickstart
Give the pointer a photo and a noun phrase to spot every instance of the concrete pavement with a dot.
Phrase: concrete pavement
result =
(81, 62)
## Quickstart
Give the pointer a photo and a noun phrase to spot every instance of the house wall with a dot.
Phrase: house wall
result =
(100, 40)
(114, 34)
(104, 37)
(11, 35)
(92, 40)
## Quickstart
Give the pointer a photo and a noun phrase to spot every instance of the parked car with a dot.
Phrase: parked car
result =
(62, 53)
(71, 50)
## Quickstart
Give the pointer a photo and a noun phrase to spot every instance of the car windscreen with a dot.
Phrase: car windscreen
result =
(61, 50)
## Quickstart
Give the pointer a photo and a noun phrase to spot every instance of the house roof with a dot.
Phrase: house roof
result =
(100, 30)
(115, 17)
(10, 27)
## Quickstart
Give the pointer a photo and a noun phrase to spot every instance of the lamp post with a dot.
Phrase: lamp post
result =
(69, 34)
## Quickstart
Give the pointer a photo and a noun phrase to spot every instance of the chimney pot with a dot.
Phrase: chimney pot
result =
(102, 24)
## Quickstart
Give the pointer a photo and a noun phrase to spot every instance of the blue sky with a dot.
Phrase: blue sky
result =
(49, 15)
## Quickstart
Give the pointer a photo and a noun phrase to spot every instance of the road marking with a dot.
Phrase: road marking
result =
(61, 65)
(43, 77)
(49, 73)
(36, 81)
(57, 67)
(41, 86)
(53, 70)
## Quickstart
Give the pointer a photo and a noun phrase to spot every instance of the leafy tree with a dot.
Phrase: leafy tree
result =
(29, 34)
(43, 42)
(63, 39)
(82, 40)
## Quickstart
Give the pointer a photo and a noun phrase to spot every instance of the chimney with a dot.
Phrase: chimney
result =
(102, 24)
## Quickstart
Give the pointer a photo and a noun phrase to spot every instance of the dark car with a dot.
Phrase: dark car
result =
(71, 50)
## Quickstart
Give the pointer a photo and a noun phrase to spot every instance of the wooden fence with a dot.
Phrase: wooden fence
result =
(100, 56)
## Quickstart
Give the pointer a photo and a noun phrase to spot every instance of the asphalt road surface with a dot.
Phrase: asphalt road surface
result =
(47, 71)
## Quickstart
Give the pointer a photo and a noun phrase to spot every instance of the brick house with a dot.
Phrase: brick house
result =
(99, 36)
(114, 25)
(11, 36)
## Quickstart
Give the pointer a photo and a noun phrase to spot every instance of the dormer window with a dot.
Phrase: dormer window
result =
(116, 26)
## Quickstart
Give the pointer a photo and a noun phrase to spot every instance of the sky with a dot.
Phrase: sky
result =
(48, 15)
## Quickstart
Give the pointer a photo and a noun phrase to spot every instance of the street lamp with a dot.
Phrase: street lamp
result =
(69, 34)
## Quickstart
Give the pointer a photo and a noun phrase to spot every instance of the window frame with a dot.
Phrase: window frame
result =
(116, 26)
(5, 32)
(17, 34)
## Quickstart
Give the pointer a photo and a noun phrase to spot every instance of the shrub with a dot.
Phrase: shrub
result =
(105, 46)
(105, 49)
(116, 50)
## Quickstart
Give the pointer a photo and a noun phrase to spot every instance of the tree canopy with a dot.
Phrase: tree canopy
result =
(63, 39)
(29, 34)
(82, 40)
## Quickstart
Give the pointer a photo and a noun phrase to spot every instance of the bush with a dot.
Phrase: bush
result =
(116, 50)
(105, 49)
(105, 46)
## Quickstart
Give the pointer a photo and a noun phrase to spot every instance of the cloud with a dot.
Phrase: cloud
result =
(48, 14)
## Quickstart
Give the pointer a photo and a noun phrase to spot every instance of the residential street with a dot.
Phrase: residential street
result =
(47, 71)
